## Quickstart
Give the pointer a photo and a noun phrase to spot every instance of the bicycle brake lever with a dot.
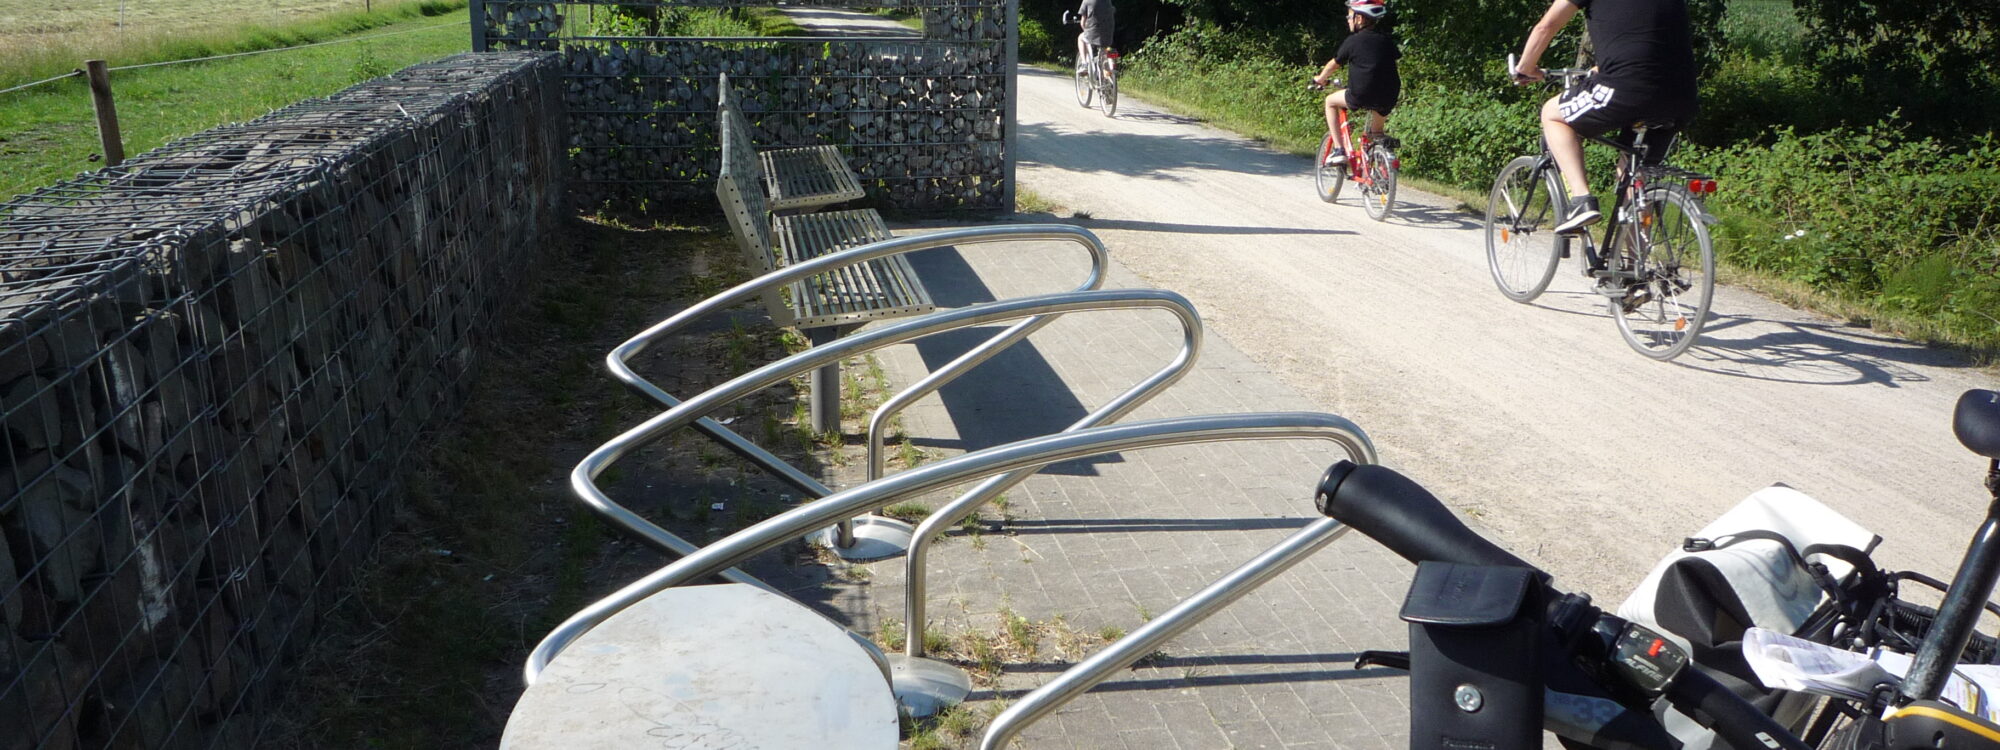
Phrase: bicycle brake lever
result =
(1391, 659)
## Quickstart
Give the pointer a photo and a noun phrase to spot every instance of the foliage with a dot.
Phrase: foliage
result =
(1462, 138)
(1938, 60)
(1036, 43)
(1870, 212)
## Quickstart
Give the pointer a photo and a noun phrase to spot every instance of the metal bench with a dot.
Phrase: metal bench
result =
(827, 306)
(796, 178)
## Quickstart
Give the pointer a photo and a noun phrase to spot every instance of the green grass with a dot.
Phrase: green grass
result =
(40, 39)
(48, 133)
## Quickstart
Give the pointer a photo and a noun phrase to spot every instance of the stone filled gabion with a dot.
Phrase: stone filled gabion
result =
(923, 122)
(213, 359)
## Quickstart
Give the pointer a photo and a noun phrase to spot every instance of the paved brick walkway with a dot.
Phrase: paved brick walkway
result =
(1111, 541)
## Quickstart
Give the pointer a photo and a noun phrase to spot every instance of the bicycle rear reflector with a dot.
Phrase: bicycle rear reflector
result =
(1701, 187)
(1112, 55)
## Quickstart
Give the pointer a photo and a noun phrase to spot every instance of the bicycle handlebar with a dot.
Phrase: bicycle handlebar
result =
(1404, 517)
(1390, 508)
(1514, 61)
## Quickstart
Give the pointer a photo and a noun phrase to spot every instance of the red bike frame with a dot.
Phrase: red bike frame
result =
(1357, 150)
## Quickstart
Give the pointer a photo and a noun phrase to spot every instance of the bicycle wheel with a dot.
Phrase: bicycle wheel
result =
(1662, 313)
(1379, 193)
(1521, 246)
(1328, 178)
(1107, 97)
(1083, 84)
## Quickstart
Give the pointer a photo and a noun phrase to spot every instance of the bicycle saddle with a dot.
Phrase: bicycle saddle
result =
(1660, 124)
(1977, 422)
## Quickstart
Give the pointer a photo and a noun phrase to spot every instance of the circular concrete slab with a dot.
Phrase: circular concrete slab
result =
(725, 667)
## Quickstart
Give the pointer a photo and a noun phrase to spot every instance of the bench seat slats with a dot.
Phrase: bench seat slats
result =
(880, 288)
(809, 177)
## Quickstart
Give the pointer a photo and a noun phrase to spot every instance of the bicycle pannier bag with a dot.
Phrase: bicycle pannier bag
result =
(1475, 661)
(1768, 562)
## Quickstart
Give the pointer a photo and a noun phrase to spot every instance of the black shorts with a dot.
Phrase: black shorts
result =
(1378, 104)
(1596, 106)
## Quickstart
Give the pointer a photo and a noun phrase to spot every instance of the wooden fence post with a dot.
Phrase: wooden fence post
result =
(476, 10)
(107, 112)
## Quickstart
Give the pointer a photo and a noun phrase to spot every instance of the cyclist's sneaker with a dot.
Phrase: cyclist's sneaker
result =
(1336, 157)
(1582, 213)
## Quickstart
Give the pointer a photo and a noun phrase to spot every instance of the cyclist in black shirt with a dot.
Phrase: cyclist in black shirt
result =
(1645, 72)
(1372, 83)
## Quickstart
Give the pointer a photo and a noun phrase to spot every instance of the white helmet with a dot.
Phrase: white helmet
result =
(1369, 8)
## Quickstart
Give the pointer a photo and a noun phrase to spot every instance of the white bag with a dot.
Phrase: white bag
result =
(1742, 570)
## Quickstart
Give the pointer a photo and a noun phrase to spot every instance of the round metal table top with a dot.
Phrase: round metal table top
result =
(724, 667)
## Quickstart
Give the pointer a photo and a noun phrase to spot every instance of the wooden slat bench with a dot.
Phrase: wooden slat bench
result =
(829, 305)
(797, 178)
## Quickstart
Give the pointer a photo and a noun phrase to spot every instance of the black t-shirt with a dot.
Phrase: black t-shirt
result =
(1643, 45)
(1370, 57)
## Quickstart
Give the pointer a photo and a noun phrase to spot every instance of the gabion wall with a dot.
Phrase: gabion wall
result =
(213, 360)
(925, 121)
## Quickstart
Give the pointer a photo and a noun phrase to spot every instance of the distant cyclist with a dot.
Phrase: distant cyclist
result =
(1097, 18)
(1372, 82)
(1645, 71)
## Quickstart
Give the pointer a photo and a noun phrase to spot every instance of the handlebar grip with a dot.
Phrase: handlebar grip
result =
(1404, 517)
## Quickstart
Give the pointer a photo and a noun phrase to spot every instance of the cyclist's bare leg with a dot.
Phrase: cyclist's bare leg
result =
(1565, 146)
(1377, 123)
(1334, 102)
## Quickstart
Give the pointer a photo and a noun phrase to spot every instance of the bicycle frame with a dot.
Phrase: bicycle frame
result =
(1357, 149)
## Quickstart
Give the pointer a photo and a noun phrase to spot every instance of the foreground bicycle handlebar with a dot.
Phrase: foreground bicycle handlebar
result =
(1410, 521)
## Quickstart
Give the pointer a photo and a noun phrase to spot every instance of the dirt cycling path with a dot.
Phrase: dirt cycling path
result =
(1535, 419)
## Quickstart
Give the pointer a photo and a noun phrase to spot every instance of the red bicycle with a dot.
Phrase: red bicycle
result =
(1371, 164)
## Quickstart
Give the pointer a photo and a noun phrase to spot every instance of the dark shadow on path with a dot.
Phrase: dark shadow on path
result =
(1030, 526)
(1016, 395)
(1146, 155)
(1155, 226)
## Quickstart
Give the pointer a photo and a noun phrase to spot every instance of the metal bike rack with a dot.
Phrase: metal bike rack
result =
(888, 532)
(1156, 632)
(721, 557)
(583, 477)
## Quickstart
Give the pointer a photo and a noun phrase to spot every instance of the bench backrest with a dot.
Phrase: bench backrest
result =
(741, 193)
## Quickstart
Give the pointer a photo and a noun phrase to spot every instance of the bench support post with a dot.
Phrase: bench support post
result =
(825, 399)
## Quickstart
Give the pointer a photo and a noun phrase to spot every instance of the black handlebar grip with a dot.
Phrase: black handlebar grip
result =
(1404, 517)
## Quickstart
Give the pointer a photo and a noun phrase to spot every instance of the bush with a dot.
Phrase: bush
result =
(1870, 212)
(1036, 43)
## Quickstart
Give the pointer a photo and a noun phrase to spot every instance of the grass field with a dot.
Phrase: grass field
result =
(47, 133)
(39, 39)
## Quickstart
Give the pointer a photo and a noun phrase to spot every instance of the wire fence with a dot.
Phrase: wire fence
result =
(137, 66)
(213, 360)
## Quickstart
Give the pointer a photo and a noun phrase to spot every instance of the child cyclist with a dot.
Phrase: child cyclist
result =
(1372, 83)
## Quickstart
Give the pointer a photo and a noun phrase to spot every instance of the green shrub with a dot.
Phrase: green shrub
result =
(1036, 43)
(1869, 213)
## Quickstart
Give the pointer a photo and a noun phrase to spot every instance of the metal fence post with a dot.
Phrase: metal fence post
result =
(476, 13)
(1012, 121)
(107, 112)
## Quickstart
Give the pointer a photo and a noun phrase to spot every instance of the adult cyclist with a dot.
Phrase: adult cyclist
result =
(1645, 72)
(1097, 17)
(1372, 81)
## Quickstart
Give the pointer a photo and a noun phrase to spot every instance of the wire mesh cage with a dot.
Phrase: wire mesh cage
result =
(924, 120)
(213, 359)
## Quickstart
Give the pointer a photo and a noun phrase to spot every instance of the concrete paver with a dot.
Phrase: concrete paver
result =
(1115, 540)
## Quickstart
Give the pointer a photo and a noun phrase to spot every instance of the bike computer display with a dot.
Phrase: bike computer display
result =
(1646, 660)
